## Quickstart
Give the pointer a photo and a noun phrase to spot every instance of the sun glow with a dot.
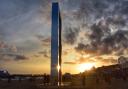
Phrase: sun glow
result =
(85, 66)
(58, 67)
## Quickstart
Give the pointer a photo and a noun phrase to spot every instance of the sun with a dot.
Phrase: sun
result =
(85, 66)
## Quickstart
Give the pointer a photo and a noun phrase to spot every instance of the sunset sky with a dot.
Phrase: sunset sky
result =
(94, 31)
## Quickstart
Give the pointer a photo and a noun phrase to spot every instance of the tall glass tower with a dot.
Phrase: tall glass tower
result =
(56, 46)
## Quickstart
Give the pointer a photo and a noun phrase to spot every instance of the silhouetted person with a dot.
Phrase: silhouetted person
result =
(45, 79)
(32, 79)
(124, 76)
(108, 78)
(83, 79)
(20, 79)
(9, 79)
(97, 79)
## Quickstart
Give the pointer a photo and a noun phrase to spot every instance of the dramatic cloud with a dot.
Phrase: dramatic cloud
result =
(102, 29)
(90, 27)
(105, 42)
(109, 32)
(70, 35)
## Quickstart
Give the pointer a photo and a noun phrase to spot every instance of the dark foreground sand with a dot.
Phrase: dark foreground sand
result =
(17, 85)
(115, 84)
(26, 85)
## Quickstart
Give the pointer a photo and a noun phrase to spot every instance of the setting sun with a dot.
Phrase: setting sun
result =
(85, 66)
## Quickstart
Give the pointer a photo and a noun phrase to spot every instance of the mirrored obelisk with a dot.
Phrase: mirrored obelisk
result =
(56, 45)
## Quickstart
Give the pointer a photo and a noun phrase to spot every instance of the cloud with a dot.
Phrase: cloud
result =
(10, 52)
(40, 37)
(70, 63)
(103, 41)
(5, 47)
(44, 53)
(106, 30)
(106, 22)
(36, 55)
(85, 60)
(122, 59)
(94, 59)
(18, 22)
(112, 61)
(83, 48)
(64, 52)
(20, 57)
(12, 56)
(70, 35)
(45, 41)
(106, 60)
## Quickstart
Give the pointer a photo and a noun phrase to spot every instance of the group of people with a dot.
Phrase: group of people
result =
(105, 76)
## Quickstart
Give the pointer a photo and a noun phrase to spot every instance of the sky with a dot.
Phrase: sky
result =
(93, 31)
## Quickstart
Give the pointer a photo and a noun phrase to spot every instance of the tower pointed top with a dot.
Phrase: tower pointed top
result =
(55, 0)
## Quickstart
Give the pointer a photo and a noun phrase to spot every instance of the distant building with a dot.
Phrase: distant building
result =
(123, 62)
(108, 69)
